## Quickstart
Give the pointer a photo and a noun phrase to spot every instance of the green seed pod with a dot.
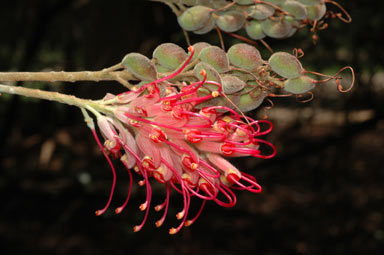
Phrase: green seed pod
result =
(275, 28)
(260, 11)
(198, 48)
(162, 69)
(196, 2)
(169, 55)
(311, 2)
(232, 84)
(252, 100)
(285, 65)
(140, 66)
(293, 23)
(276, 2)
(190, 2)
(230, 21)
(254, 30)
(244, 56)
(299, 85)
(216, 57)
(207, 27)
(316, 12)
(215, 4)
(244, 76)
(194, 18)
(297, 9)
(244, 2)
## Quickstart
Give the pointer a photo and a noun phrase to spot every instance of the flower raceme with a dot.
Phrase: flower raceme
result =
(159, 131)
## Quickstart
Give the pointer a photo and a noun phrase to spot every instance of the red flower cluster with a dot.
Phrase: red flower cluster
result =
(159, 131)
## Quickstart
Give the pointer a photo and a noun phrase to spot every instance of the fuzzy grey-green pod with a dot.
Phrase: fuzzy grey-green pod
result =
(311, 2)
(276, 2)
(244, 56)
(316, 12)
(207, 27)
(194, 18)
(294, 24)
(244, 2)
(216, 57)
(260, 11)
(230, 21)
(169, 55)
(232, 84)
(276, 28)
(299, 85)
(252, 99)
(254, 30)
(140, 66)
(198, 48)
(285, 65)
(295, 8)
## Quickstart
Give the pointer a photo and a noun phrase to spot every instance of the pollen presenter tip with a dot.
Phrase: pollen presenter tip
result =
(172, 231)
(118, 210)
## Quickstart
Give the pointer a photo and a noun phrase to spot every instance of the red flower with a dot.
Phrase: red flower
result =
(163, 135)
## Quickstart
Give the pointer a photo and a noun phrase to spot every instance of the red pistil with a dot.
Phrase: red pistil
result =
(190, 222)
(228, 194)
(100, 212)
(121, 208)
(163, 205)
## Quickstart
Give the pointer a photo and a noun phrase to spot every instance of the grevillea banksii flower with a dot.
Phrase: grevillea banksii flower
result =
(158, 131)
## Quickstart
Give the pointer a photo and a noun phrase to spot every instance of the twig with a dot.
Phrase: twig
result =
(67, 76)
(54, 96)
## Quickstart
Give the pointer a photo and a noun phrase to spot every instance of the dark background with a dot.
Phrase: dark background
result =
(323, 192)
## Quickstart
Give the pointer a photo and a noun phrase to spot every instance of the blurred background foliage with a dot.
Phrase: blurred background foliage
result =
(323, 192)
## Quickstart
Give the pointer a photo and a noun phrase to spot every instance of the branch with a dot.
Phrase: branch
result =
(67, 76)
(54, 96)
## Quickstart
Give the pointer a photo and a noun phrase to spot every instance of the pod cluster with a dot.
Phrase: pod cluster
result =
(246, 78)
(268, 18)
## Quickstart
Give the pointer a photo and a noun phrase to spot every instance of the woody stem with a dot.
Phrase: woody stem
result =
(54, 96)
(103, 75)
